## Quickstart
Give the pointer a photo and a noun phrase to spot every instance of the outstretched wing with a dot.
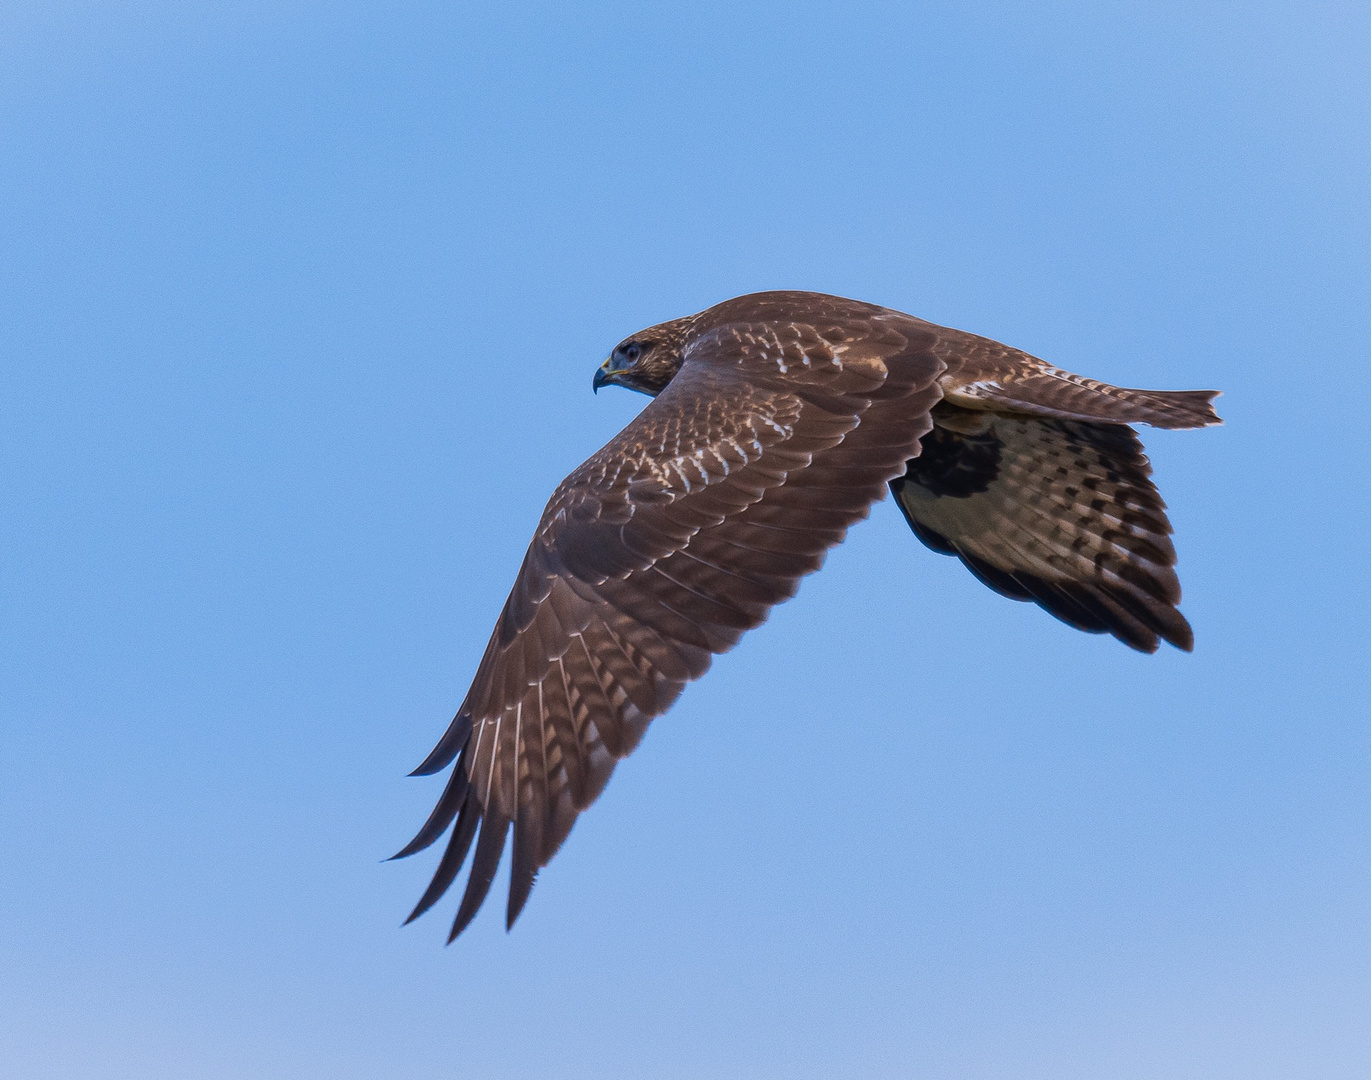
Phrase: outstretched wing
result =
(984, 374)
(1060, 512)
(661, 551)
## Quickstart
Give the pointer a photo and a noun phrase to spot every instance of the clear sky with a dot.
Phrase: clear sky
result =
(299, 308)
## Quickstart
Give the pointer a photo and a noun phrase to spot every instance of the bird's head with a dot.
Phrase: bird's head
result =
(645, 362)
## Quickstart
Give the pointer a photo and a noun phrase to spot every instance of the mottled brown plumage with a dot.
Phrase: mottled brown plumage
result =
(778, 419)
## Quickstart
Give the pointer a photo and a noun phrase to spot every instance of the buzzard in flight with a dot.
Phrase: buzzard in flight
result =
(777, 419)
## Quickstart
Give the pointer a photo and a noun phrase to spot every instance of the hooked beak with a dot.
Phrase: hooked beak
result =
(605, 375)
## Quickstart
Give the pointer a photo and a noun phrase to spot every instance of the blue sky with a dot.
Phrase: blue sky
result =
(300, 306)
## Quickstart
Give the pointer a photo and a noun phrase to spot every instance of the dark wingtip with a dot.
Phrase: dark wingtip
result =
(451, 863)
(489, 847)
(1213, 419)
(454, 738)
(519, 891)
(453, 798)
(419, 909)
(421, 840)
(1181, 409)
(409, 849)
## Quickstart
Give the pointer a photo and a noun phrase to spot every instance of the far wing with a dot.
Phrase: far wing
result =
(656, 554)
(984, 374)
(1060, 512)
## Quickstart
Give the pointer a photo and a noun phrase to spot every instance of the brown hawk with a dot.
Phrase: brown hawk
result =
(777, 419)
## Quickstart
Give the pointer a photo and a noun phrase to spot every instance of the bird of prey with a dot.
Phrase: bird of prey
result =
(777, 420)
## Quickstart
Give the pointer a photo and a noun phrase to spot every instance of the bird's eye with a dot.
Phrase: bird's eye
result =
(632, 352)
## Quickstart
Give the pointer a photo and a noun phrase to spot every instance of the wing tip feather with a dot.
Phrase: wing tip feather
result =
(448, 747)
(485, 861)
